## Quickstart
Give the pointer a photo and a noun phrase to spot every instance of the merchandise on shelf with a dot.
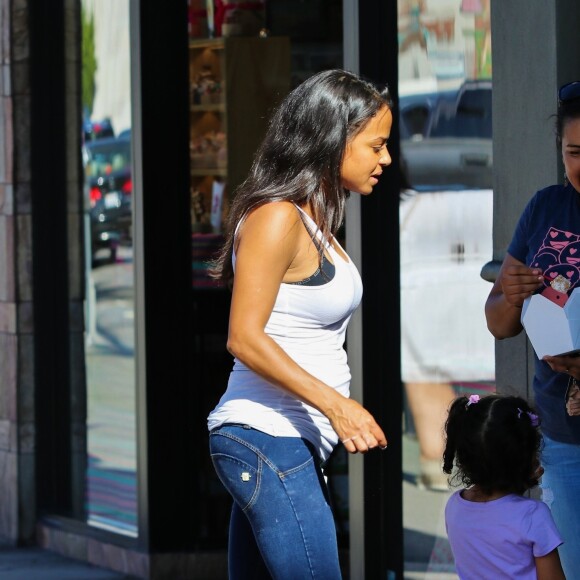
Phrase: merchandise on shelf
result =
(209, 150)
(206, 89)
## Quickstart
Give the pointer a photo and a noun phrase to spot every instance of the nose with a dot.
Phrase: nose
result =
(385, 158)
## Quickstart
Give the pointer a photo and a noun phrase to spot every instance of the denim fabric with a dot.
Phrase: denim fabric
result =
(561, 492)
(280, 495)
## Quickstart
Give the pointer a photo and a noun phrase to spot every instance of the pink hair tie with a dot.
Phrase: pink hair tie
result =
(472, 400)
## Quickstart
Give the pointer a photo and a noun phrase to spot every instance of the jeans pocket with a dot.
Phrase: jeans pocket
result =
(231, 460)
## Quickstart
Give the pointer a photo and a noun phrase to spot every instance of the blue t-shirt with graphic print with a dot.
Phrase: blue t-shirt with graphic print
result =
(548, 237)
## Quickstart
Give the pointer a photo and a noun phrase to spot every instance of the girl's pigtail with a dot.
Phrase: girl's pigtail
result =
(452, 427)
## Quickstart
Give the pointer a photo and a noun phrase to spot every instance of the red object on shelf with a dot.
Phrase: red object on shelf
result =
(236, 9)
(197, 19)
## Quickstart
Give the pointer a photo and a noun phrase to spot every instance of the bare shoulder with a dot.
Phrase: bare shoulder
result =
(273, 220)
(269, 231)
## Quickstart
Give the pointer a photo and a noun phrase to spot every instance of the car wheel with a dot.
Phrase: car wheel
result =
(113, 253)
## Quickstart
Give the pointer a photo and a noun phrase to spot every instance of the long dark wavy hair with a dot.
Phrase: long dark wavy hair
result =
(300, 157)
(493, 443)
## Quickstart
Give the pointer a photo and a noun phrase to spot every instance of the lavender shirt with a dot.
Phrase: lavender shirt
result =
(499, 539)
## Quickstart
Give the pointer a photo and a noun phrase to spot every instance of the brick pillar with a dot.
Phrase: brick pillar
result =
(17, 509)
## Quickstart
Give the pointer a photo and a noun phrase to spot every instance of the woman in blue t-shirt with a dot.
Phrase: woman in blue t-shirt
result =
(544, 257)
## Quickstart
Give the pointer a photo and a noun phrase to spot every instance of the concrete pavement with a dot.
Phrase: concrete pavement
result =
(427, 555)
(32, 563)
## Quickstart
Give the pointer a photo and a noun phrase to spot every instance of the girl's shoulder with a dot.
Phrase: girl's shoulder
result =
(528, 506)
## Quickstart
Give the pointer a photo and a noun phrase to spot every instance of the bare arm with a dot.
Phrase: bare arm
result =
(271, 245)
(548, 567)
(503, 307)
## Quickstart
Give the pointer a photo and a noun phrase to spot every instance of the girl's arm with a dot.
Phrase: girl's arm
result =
(548, 567)
(503, 307)
(272, 246)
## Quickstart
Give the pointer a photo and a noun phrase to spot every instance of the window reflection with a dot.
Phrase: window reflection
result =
(236, 79)
(109, 305)
(445, 118)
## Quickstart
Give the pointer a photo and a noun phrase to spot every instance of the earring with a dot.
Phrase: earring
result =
(565, 180)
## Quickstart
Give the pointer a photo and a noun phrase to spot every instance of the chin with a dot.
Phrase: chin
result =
(365, 189)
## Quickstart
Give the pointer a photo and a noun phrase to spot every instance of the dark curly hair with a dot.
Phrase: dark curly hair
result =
(493, 443)
(299, 159)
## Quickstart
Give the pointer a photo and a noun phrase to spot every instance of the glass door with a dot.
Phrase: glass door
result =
(111, 490)
(445, 237)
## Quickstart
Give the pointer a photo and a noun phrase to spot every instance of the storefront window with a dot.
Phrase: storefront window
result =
(111, 498)
(446, 237)
(243, 59)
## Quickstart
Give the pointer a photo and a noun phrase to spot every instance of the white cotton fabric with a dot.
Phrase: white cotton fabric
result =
(445, 240)
(309, 323)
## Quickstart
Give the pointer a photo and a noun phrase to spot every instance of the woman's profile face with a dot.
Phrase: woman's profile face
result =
(571, 151)
(366, 154)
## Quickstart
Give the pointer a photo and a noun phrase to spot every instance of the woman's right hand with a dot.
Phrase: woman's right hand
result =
(515, 282)
(356, 427)
(519, 282)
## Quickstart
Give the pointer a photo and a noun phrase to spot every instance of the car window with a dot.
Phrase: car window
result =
(416, 112)
(414, 120)
(470, 118)
(103, 159)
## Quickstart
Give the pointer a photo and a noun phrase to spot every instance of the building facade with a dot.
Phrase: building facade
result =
(43, 290)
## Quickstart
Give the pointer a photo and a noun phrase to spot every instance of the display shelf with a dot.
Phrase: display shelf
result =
(211, 108)
(235, 82)
(197, 172)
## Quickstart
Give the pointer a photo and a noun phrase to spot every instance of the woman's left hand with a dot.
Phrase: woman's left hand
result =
(564, 364)
(573, 400)
(356, 427)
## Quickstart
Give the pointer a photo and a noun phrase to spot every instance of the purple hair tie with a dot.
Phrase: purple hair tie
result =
(534, 419)
(472, 400)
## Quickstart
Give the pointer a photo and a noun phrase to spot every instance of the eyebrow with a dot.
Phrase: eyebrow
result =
(573, 145)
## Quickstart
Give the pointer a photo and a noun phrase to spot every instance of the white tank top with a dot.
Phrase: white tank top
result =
(309, 323)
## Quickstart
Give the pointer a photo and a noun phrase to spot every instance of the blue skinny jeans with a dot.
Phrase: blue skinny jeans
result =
(561, 492)
(281, 525)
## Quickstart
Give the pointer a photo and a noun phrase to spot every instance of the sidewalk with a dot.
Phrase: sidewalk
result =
(33, 563)
(38, 564)
(426, 550)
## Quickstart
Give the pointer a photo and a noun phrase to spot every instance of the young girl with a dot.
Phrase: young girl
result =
(492, 448)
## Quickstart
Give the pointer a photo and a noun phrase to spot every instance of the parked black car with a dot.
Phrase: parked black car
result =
(108, 191)
(416, 112)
